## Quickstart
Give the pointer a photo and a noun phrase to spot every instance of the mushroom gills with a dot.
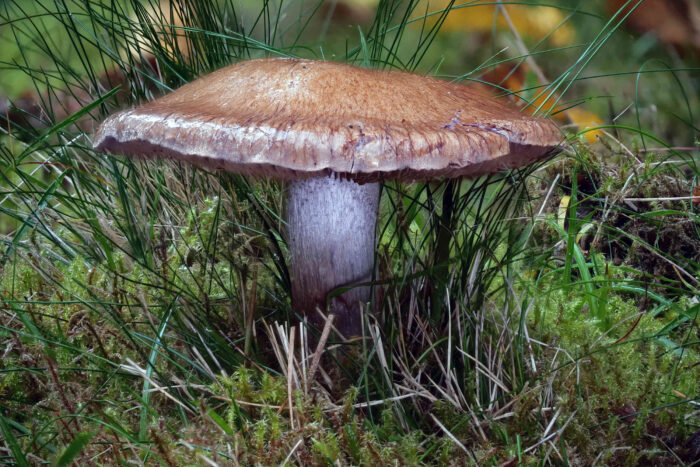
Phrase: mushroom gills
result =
(331, 225)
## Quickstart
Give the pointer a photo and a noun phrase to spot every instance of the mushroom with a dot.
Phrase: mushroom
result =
(334, 132)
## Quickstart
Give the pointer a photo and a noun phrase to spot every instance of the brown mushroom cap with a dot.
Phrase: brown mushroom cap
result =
(293, 118)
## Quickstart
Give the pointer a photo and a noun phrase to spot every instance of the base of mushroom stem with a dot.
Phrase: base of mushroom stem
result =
(331, 226)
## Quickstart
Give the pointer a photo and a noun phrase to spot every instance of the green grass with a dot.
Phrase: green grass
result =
(547, 315)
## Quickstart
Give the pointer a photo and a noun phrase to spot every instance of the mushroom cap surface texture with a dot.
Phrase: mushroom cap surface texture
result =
(290, 118)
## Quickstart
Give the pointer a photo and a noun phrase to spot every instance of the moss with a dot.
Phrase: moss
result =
(621, 380)
(273, 390)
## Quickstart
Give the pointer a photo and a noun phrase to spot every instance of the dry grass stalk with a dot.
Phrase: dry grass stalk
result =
(202, 362)
(290, 370)
(666, 198)
(483, 369)
(549, 437)
(449, 434)
(289, 456)
(522, 47)
(134, 369)
(320, 347)
(324, 318)
(379, 347)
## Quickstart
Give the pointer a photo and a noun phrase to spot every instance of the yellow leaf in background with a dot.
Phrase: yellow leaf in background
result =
(531, 21)
(470, 19)
(563, 211)
(584, 119)
(362, 3)
(167, 18)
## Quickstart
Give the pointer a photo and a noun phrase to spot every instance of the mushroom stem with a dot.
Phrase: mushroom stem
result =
(331, 227)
